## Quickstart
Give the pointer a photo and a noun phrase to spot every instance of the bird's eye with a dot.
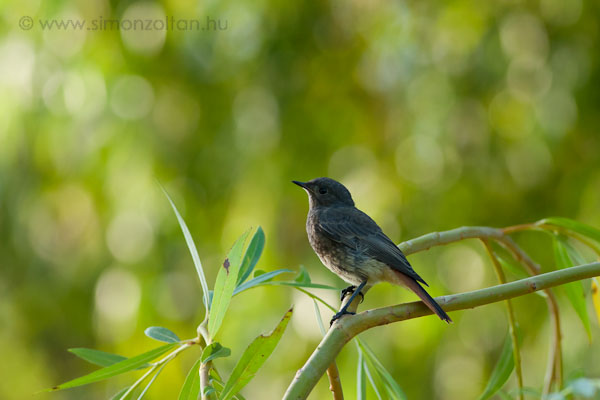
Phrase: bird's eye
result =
(322, 190)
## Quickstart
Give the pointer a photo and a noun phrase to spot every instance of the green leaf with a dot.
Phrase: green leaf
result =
(258, 280)
(97, 357)
(253, 253)
(119, 394)
(116, 369)
(556, 396)
(502, 370)
(319, 319)
(193, 251)
(191, 385)
(379, 375)
(375, 380)
(214, 350)
(574, 253)
(509, 264)
(161, 334)
(361, 378)
(225, 285)
(584, 387)
(575, 226)
(253, 358)
(301, 285)
(151, 381)
(503, 395)
(303, 276)
(573, 290)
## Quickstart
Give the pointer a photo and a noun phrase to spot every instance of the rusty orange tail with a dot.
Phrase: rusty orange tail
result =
(424, 296)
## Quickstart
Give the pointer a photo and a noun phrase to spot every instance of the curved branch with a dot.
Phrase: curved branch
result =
(425, 242)
(348, 327)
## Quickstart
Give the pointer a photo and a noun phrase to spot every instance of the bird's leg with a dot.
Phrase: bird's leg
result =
(345, 307)
(350, 289)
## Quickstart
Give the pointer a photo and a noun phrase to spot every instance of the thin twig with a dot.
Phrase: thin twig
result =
(511, 319)
(205, 380)
(554, 367)
(348, 327)
(335, 384)
(333, 374)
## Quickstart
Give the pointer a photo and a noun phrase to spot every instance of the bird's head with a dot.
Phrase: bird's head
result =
(326, 192)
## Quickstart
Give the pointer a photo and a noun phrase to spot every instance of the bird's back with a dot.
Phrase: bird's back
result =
(349, 230)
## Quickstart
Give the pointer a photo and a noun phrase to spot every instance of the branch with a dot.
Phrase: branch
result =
(425, 242)
(335, 384)
(348, 327)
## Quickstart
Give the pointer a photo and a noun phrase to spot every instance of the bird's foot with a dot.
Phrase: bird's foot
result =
(350, 290)
(339, 315)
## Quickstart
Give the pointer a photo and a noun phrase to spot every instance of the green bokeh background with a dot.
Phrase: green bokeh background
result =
(435, 115)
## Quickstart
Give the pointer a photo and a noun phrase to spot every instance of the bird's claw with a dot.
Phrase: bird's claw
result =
(350, 290)
(339, 315)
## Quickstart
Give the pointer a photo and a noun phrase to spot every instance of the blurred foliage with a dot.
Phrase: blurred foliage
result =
(435, 115)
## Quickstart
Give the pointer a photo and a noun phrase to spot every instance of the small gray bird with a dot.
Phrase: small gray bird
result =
(354, 247)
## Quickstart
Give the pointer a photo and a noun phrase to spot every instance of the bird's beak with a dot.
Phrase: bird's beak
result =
(301, 184)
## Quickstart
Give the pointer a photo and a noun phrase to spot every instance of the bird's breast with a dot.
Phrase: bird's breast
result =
(350, 264)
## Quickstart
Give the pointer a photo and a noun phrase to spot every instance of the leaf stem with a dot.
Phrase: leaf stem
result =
(155, 366)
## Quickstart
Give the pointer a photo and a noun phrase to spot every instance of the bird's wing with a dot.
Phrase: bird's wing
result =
(358, 231)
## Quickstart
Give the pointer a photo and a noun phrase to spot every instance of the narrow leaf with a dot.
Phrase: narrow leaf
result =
(319, 319)
(512, 266)
(259, 280)
(573, 290)
(191, 385)
(380, 375)
(161, 334)
(193, 251)
(214, 350)
(151, 381)
(253, 358)
(361, 378)
(119, 394)
(584, 387)
(116, 369)
(502, 370)
(574, 253)
(576, 226)
(374, 379)
(225, 285)
(303, 276)
(97, 357)
(301, 285)
(253, 253)
(596, 297)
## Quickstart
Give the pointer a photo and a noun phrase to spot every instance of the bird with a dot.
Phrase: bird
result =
(351, 244)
